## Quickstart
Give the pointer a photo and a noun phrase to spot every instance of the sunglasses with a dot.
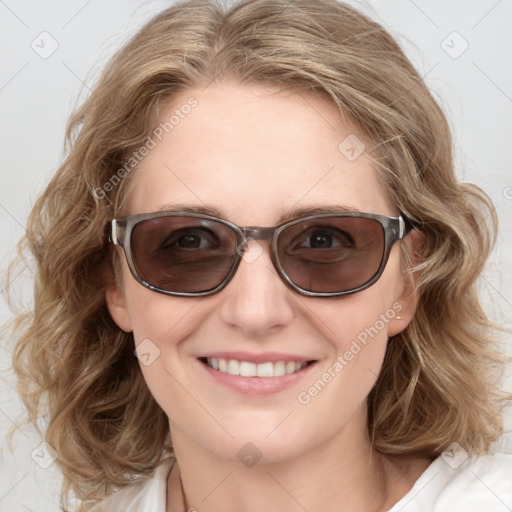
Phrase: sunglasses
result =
(191, 254)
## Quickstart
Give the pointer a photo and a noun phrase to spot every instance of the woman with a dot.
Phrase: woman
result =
(256, 278)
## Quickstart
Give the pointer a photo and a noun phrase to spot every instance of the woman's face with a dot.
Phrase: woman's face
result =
(254, 153)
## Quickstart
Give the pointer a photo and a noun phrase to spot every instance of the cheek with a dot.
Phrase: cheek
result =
(359, 335)
(357, 328)
(340, 387)
(154, 315)
(362, 320)
(160, 325)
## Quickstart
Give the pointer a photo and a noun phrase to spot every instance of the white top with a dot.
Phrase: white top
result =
(447, 485)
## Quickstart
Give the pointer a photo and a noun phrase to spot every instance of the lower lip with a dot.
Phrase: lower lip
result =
(258, 386)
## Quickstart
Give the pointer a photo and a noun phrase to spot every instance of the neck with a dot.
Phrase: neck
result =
(344, 470)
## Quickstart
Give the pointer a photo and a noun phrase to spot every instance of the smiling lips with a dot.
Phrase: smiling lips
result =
(259, 374)
(250, 369)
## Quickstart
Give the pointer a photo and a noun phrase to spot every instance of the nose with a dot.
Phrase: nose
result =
(256, 301)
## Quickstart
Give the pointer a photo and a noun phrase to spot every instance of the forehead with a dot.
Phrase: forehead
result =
(254, 152)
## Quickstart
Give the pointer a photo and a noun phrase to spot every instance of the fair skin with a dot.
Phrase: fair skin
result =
(254, 153)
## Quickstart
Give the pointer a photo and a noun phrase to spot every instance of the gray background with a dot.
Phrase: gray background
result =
(38, 91)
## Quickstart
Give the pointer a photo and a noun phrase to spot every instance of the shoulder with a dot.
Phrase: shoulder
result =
(455, 483)
(146, 495)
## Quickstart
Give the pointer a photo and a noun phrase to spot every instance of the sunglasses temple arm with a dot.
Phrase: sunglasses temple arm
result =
(406, 225)
(116, 231)
(112, 231)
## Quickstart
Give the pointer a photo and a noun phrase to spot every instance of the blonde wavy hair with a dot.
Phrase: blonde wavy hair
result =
(440, 378)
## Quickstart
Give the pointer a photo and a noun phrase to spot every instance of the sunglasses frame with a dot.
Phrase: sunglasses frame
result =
(394, 228)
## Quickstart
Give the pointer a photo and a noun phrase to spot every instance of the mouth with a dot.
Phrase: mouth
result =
(255, 374)
(251, 369)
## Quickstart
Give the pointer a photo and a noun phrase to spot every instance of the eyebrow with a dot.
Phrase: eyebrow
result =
(292, 214)
(297, 213)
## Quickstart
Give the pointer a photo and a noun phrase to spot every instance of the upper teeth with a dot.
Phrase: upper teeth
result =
(248, 369)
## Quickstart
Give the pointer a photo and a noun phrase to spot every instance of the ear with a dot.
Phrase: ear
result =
(407, 296)
(116, 303)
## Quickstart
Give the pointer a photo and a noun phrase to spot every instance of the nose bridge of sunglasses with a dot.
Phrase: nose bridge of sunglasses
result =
(250, 249)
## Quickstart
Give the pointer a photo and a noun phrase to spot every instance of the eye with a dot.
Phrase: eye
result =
(190, 239)
(318, 245)
(325, 239)
(321, 240)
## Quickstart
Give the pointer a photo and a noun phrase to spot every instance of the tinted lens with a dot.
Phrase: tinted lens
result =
(331, 254)
(183, 254)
